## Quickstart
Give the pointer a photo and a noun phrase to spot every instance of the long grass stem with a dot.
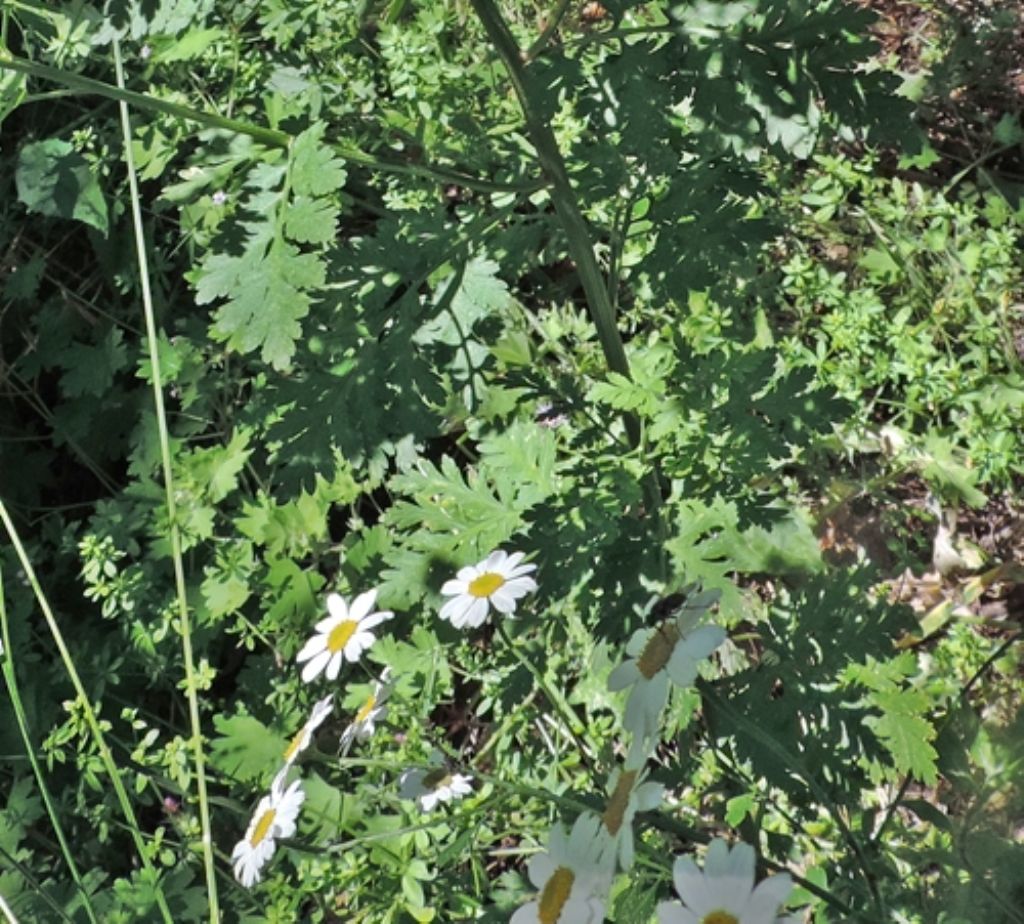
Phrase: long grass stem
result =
(88, 712)
(184, 620)
(14, 693)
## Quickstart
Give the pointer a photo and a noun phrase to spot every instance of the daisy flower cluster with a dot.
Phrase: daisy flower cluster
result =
(347, 632)
(343, 636)
(574, 875)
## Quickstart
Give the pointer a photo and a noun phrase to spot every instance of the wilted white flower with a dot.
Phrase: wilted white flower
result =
(724, 893)
(373, 710)
(627, 795)
(430, 787)
(301, 741)
(342, 636)
(274, 817)
(498, 581)
(670, 651)
(571, 883)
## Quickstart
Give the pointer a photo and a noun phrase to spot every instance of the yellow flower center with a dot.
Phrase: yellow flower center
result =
(295, 746)
(658, 649)
(437, 778)
(719, 917)
(262, 828)
(366, 708)
(555, 895)
(340, 635)
(486, 584)
(617, 803)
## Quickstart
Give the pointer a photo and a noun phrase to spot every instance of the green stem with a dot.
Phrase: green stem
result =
(87, 710)
(556, 699)
(267, 136)
(563, 198)
(19, 714)
(554, 21)
(184, 621)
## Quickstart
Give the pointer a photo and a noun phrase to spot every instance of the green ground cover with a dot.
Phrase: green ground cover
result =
(464, 462)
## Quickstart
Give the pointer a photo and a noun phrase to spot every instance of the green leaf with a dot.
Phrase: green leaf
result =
(906, 734)
(246, 748)
(316, 171)
(91, 369)
(53, 179)
(311, 221)
(266, 290)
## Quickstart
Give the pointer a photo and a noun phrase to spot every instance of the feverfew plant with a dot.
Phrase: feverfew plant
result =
(449, 432)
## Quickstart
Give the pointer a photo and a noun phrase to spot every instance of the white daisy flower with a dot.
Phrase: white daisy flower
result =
(430, 787)
(274, 817)
(724, 893)
(373, 710)
(671, 651)
(343, 636)
(572, 886)
(498, 581)
(301, 741)
(627, 795)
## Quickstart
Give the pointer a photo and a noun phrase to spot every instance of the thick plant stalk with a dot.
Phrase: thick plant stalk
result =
(184, 620)
(563, 198)
(268, 136)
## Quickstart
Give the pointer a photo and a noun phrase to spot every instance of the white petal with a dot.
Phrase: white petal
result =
(467, 575)
(512, 560)
(624, 675)
(503, 601)
(314, 646)
(768, 897)
(356, 645)
(450, 588)
(674, 913)
(334, 668)
(540, 868)
(314, 667)
(637, 642)
(520, 586)
(376, 619)
(692, 887)
(526, 914)
(337, 607)
(456, 609)
(362, 605)
(327, 623)
(477, 614)
(702, 641)
(494, 561)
